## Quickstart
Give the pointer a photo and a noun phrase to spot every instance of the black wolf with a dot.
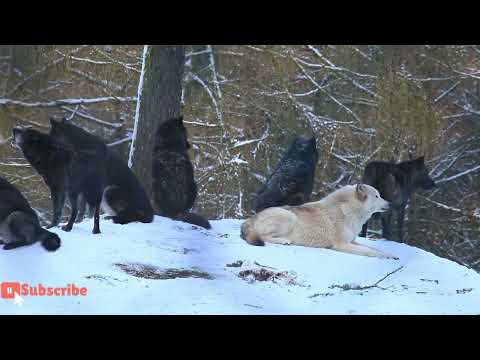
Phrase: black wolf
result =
(396, 183)
(88, 167)
(50, 160)
(174, 187)
(124, 197)
(292, 181)
(19, 225)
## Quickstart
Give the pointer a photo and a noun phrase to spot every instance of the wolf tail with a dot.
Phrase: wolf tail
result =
(49, 240)
(194, 219)
(249, 234)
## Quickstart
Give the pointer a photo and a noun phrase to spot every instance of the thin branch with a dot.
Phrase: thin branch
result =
(60, 102)
(454, 177)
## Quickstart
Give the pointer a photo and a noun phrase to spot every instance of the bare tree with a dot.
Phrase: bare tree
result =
(159, 98)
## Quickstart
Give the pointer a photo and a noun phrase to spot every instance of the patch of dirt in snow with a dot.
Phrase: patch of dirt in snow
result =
(152, 272)
(267, 275)
(237, 263)
(464, 291)
(102, 278)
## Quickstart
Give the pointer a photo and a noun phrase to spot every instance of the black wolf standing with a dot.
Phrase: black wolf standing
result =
(396, 184)
(50, 160)
(19, 225)
(88, 168)
(174, 187)
(292, 181)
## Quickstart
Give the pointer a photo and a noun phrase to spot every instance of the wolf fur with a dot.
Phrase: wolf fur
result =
(88, 168)
(124, 198)
(331, 223)
(19, 224)
(174, 187)
(396, 183)
(292, 181)
(50, 160)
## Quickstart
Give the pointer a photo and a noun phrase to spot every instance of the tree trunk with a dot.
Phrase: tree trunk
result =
(159, 98)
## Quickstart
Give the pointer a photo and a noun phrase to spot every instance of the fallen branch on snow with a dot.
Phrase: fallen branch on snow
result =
(357, 287)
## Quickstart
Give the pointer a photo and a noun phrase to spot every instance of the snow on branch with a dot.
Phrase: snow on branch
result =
(321, 88)
(61, 102)
(454, 177)
(443, 206)
(44, 68)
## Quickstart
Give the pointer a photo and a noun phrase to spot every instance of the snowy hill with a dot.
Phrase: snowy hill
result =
(171, 267)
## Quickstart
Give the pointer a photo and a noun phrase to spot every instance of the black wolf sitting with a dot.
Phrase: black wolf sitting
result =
(174, 187)
(396, 183)
(292, 181)
(19, 225)
(124, 198)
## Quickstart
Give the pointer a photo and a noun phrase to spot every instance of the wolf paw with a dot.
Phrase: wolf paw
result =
(66, 228)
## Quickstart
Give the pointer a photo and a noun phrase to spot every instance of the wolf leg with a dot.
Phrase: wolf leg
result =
(58, 202)
(73, 215)
(387, 255)
(387, 225)
(22, 230)
(358, 249)
(363, 233)
(400, 221)
(276, 240)
(15, 245)
(96, 221)
(82, 207)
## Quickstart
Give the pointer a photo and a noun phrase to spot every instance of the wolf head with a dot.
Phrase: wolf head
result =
(60, 129)
(36, 145)
(30, 139)
(172, 135)
(304, 148)
(420, 174)
(370, 199)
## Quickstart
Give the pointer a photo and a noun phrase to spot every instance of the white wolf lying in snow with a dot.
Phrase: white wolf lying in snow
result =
(333, 222)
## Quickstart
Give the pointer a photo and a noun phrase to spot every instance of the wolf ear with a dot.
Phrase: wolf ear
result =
(361, 192)
(54, 122)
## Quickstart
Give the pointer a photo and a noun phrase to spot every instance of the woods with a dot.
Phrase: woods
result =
(160, 90)
(242, 106)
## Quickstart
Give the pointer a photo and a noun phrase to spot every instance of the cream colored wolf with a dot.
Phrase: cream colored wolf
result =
(333, 222)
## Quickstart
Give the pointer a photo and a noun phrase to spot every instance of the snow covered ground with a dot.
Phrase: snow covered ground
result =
(124, 271)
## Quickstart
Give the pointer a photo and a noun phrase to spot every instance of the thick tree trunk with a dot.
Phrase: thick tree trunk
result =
(159, 98)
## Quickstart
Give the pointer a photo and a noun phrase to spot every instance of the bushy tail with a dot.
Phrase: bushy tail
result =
(50, 241)
(248, 234)
(194, 219)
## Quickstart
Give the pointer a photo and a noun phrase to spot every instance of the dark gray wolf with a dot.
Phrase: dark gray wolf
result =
(50, 160)
(124, 198)
(396, 184)
(88, 168)
(292, 181)
(19, 225)
(174, 187)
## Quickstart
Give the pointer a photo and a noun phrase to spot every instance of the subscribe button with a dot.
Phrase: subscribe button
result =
(9, 290)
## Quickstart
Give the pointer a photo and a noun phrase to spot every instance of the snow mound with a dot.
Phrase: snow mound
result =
(170, 267)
